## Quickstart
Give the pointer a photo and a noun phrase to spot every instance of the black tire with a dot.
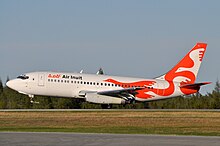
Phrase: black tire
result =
(106, 106)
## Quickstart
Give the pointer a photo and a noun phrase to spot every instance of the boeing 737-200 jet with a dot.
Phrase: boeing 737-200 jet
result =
(108, 90)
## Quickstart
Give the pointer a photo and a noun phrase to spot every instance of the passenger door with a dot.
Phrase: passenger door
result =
(41, 79)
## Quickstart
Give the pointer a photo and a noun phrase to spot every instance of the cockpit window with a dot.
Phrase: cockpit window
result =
(23, 77)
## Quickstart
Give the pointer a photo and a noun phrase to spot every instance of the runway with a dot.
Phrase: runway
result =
(110, 110)
(78, 139)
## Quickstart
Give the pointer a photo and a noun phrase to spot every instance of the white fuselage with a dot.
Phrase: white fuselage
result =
(71, 84)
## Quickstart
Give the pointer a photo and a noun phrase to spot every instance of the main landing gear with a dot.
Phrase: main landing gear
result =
(106, 106)
(32, 99)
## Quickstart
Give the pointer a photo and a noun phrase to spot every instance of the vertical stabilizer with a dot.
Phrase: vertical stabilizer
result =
(187, 69)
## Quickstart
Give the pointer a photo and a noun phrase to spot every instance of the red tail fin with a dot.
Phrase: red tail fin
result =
(187, 69)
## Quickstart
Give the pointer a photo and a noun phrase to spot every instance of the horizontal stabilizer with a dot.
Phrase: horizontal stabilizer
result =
(194, 86)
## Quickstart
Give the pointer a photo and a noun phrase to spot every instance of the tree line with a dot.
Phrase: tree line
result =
(10, 99)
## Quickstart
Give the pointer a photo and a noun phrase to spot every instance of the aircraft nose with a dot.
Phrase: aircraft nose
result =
(9, 84)
(17, 85)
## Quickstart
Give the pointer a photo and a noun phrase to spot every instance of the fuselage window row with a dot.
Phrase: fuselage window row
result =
(78, 82)
(94, 83)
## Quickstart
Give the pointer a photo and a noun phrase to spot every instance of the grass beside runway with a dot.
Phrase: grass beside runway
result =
(131, 122)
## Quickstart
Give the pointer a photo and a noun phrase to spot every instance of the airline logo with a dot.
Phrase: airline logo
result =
(54, 76)
(59, 76)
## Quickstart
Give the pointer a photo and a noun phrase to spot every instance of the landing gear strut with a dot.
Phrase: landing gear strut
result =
(32, 99)
(106, 106)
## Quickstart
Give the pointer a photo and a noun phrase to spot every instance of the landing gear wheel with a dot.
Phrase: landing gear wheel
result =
(106, 106)
(32, 99)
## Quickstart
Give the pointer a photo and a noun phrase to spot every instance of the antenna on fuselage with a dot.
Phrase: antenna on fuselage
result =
(100, 72)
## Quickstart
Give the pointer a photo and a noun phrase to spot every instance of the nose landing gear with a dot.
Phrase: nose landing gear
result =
(32, 99)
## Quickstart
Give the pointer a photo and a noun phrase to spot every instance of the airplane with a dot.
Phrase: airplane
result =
(108, 90)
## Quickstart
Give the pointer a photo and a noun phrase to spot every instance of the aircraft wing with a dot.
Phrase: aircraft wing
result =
(121, 91)
(111, 96)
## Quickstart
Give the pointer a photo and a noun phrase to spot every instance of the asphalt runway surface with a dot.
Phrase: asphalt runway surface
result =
(109, 110)
(79, 139)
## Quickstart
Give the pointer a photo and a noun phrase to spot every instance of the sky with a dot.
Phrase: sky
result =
(137, 38)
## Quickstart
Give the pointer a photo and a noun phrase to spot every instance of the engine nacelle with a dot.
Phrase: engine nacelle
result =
(103, 99)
